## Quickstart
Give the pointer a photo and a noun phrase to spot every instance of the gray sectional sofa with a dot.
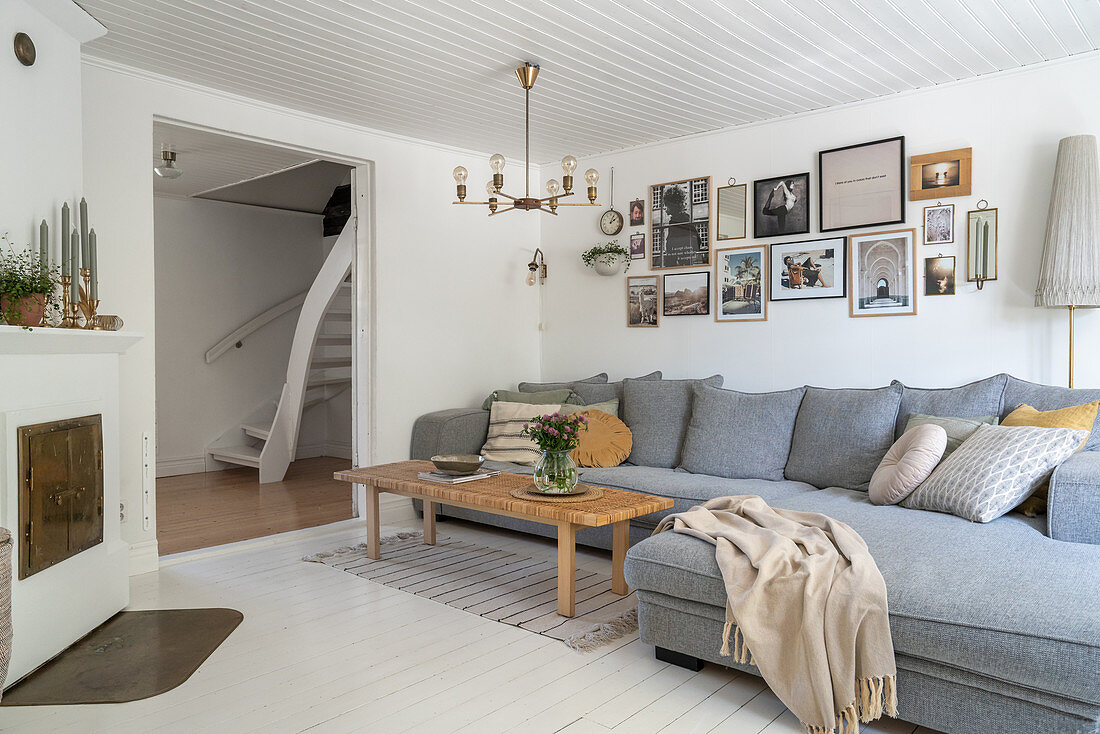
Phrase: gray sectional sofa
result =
(996, 626)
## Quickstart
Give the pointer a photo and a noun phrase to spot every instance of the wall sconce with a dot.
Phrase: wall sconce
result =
(537, 266)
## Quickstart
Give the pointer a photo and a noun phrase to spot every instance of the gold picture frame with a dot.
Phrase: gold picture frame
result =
(976, 218)
(940, 175)
(877, 280)
(732, 220)
(693, 248)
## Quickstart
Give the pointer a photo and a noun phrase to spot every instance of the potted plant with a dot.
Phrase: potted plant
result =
(27, 286)
(556, 434)
(607, 259)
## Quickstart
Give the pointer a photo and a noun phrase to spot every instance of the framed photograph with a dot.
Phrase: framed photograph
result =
(641, 301)
(862, 185)
(981, 245)
(732, 203)
(940, 175)
(686, 294)
(679, 224)
(781, 205)
(939, 276)
(637, 213)
(637, 246)
(739, 277)
(939, 224)
(884, 273)
(809, 269)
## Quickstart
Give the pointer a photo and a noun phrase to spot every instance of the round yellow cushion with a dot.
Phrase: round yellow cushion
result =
(607, 441)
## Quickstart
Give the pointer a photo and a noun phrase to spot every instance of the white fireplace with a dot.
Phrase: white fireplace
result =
(50, 375)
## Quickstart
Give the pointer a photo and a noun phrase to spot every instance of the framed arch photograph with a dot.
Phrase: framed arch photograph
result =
(883, 272)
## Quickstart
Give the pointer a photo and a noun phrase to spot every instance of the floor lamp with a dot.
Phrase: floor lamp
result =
(1069, 273)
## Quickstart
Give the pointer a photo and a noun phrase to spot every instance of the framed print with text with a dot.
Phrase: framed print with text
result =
(862, 185)
(679, 224)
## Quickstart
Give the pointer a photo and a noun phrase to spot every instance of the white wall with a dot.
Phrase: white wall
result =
(1012, 121)
(217, 266)
(453, 314)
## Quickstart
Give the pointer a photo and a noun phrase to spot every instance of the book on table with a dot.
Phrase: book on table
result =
(441, 478)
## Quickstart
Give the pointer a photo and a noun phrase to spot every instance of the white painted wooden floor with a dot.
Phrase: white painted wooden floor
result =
(323, 651)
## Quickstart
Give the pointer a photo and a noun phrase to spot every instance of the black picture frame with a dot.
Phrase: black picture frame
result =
(672, 279)
(796, 222)
(776, 252)
(853, 175)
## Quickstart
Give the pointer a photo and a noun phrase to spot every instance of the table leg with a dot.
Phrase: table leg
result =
(429, 522)
(620, 541)
(567, 569)
(374, 550)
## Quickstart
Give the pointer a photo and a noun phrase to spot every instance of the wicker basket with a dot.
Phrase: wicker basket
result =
(5, 605)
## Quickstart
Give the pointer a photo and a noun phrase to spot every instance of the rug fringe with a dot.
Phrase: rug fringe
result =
(403, 535)
(625, 624)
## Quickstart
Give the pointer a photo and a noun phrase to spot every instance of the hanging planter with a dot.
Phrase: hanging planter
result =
(608, 259)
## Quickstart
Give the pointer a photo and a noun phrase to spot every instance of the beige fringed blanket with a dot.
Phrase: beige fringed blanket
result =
(805, 604)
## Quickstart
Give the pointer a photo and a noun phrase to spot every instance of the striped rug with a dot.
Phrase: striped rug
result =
(495, 584)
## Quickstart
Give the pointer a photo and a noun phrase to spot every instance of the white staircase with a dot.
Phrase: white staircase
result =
(318, 370)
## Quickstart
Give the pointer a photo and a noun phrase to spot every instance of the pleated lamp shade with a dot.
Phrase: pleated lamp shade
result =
(1069, 274)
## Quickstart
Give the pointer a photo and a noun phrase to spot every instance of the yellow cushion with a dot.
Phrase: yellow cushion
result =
(1077, 417)
(607, 441)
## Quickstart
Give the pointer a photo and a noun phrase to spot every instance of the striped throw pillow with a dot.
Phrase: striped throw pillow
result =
(506, 441)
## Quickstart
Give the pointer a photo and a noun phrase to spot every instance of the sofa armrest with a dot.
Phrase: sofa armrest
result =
(1073, 505)
(455, 431)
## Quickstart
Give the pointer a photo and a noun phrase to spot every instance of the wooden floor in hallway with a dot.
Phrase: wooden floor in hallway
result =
(215, 508)
(323, 651)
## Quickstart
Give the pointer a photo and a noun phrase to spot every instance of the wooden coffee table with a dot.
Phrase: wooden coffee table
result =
(615, 508)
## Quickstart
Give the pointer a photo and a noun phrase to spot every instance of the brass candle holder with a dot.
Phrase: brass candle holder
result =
(87, 305)
(68, 309)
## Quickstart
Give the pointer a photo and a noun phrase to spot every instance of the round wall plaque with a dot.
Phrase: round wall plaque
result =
(24, 49)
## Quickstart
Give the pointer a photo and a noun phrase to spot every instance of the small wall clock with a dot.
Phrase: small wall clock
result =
(611, 222)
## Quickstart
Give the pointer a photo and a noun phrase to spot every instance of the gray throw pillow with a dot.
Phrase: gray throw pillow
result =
(994, 470)
(657, 413)
(740, 435)
(542, 386)
(973, 400)
(595, 393)
(958, 429)
(1047, 397)
(544, 397)
(611, 407)
(840, 436)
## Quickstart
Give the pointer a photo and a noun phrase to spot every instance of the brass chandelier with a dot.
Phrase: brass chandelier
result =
(527, 75)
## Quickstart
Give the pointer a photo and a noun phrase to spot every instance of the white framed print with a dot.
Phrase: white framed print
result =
(740, 275)
(883, 273)
(807, 269)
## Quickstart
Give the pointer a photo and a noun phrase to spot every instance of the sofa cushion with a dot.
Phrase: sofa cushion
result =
(599, 393)
(1046, 397)
(959, 594)
(605, 443)
(840, 436)
(505, 440)
(740, 435)
(657, 413)
(542, 397)
(541, 386)
(908, 463)
(972, 400)
(610, 406)
(957, 429)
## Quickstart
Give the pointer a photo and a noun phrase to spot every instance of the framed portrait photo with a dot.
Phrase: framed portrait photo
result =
(637, 213)
(679, 224)
(981, 245)
(940, 175)
(641, 301)
(732, 211)
(808, 269)
(939, 276)
(686, 294)
(739, 276)
(637, 246)
(781, 205)
(939, 224)
(862, 185)
(883, 272)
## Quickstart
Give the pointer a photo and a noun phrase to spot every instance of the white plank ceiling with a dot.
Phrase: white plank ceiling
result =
(616, 73)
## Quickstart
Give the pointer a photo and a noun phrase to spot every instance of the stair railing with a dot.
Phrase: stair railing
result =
(236, 338)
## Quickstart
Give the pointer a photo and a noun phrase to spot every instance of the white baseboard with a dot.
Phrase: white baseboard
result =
(182, 465)
(144, 557)
(310, 450)
(338, 449)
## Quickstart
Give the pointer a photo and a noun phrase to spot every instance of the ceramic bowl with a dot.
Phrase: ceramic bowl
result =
(458, 463)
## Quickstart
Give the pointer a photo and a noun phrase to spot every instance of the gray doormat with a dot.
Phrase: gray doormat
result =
(133, 655)
(496, 584)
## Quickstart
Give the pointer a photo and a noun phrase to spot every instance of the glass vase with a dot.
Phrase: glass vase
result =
(556, 473)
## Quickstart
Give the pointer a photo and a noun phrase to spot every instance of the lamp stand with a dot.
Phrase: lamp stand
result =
(1071, 310)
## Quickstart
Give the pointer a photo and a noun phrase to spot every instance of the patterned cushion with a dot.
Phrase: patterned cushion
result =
(606, 443)
(908, 463)
(958, 429)
(994, 469)
(506, 441)
(740, 435)
(840, 436)
(980, 398)
(543, 397)
(657, 413)
(541, 386)
(591, 392)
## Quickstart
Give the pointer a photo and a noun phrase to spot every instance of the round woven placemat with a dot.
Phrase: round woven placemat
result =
(530, 493)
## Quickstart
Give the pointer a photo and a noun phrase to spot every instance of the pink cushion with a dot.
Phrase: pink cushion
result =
(908, 463)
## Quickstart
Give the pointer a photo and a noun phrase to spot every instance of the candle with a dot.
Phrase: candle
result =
(985, 249)
(44, 244)
(94, 267)
(66, 251)
(74, 287)
(84, 254)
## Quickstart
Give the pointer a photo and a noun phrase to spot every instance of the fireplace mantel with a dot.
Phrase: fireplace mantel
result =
(17, 340)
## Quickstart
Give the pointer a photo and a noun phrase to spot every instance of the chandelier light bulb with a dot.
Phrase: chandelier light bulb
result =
(568, 165)
(460, 173)
(490, 189)
(496, 163)
(168, 167)
(530, 280)
(552, 187)
(591, 176)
